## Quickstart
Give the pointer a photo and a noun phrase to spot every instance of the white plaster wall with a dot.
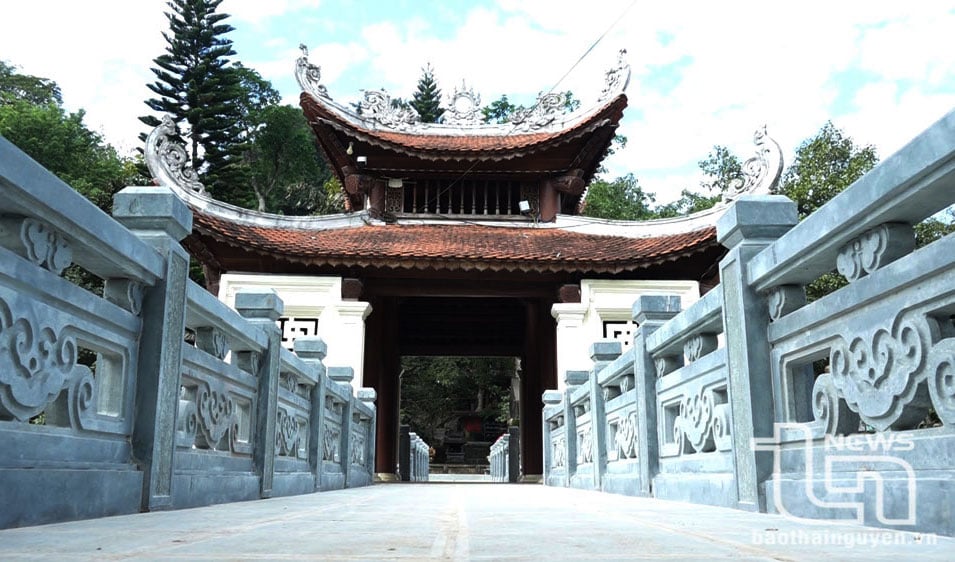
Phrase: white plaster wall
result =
(605, 300)
(340, 323)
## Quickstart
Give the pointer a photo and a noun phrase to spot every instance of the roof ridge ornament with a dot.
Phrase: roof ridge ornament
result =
(167, 159)
(762, 172)
(617, 78)
(464, 107)
(541, 114)
(378, 105)
(309, 76)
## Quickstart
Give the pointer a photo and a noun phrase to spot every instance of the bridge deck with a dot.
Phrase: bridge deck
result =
(462, 522)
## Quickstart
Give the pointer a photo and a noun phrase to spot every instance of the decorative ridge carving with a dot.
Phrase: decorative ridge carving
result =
(762, 172)
(377, 105)
(617, 78)
(309, 76)
(462, 110)
(168, 161)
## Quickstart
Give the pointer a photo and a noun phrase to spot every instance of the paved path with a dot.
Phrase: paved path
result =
(461, 522)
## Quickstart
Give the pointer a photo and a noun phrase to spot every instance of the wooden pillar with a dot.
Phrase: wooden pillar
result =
(539, 372)
(382, 365)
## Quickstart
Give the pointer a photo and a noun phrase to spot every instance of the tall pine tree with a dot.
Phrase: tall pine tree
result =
(197, 84)
(427, 99)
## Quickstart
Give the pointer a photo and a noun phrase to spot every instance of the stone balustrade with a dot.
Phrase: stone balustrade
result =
(153, 394)
(504, 459)
(841, 408)
(414, 456)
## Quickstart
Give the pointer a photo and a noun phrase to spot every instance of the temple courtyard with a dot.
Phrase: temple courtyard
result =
(454, 521)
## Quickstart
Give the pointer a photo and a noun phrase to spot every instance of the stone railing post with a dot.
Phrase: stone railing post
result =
(404, 453)
(649, 313)
(601, 353)
(748, 227)
(345, 376)
(513, 454)
(160, 219)
(369, 396)
(550, 398)
(312, 350)
(262, 309)
(572, 379)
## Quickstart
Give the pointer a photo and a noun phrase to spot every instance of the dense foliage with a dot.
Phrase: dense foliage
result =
(427, 97)
(197, 84)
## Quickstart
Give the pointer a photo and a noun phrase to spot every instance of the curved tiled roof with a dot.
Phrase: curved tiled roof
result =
(465, 146)
(463, 247)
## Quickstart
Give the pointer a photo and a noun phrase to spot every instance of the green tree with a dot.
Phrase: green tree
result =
(622, 199)
(23, 87)
(721, 168)
(286, 174)
(824, 166)
(427, 98)
(435, 391)
(499, 111)
(196, 83)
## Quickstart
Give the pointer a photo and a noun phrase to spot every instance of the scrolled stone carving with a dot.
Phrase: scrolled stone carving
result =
(358, 449)
(830, 409)
(287, 434)
(698, 345)
(784, 299)
(617, 78)
(625, 436)
(559, 452)
(168, 161)
(702, 419)
(216, 415)
(761, 173)
(721, 427)
(39, 361)
(187, 420)
(585, 445)
(695, 422)
(539, 115)
(874, 249)
(212, 341)
(45, 246)
(309, 76)
(125, 293)
(377, 106)
(464, 108)
(941, 380)
(879, 373)
(331, 443)
(667, 364)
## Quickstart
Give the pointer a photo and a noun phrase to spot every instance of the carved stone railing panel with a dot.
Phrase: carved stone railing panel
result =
(693, 410)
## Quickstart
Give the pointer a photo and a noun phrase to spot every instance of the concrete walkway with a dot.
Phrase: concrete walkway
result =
(462, 522)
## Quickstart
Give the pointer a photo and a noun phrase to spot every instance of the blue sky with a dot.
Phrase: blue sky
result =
(704, 72)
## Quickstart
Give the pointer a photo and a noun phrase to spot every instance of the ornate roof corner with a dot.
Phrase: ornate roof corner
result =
(617, 78)
(464, 107)
(377, 106)
(762, 172)
(168, 161)
(309, 76)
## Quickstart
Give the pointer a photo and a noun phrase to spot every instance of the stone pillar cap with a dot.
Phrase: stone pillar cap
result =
(310, 347)
(152, 208)
(259, 304)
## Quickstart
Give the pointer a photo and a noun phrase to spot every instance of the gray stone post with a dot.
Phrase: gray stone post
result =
(404, 453)
(572, 379)
(344, 376)
(513, 454)
(312, 350)
(649, 313)
(262, 309)
(368, 396)
(601, 353)
(160, 219)
(748, 227)
(550, 398)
